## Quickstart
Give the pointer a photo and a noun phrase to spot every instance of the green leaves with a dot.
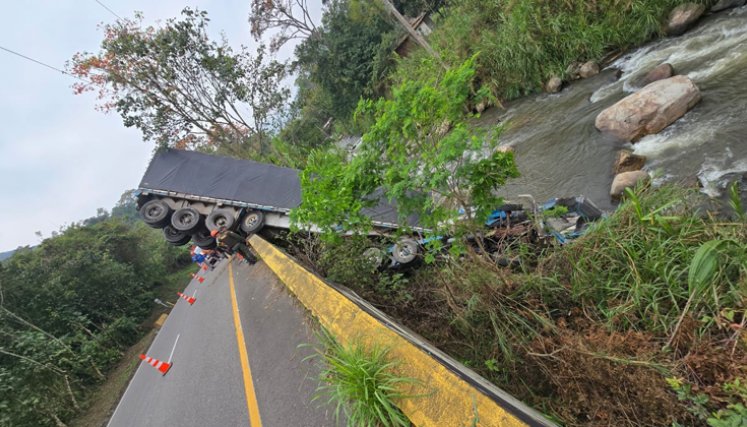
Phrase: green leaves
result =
(181, 89)
(418, 153)
(704, 266)
(69, 307)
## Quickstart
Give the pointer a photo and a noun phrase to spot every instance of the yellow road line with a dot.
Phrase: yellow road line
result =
(251, 396)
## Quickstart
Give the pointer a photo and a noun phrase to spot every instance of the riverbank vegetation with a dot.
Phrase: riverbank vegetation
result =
(71, 306)
(639, 322)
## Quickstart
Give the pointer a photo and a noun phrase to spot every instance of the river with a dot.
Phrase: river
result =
(559, 152)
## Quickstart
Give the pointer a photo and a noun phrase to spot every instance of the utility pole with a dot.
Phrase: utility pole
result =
(419, 39)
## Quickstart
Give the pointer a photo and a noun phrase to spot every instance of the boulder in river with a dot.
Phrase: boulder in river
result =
(661, 72)
(627, 180)
(627, 161)
(588, 69)
(727, 4)
(505, 149)
(682, 17)
(554, 84)
(649, 110)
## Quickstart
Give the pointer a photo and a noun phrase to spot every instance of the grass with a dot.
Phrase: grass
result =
(656, 260)
(522, 43)
(589, 332)
(361, 382)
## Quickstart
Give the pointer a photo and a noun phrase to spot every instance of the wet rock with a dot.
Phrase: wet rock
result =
(627, 180)
(661, 72)
(627, 161)
(727, 4)
(589, 69)
(649, 110)
(554, 84)
(505, 149)
(682, 17)
(573, 70)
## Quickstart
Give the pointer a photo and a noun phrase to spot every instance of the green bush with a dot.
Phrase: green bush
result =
(342, 262)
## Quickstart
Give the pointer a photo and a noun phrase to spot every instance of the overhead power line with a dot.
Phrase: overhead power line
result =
(43, 64)
(107, 8)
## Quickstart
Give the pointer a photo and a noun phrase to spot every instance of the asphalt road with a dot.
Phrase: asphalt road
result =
(207, 385)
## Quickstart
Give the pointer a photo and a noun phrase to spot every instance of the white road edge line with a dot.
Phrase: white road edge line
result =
(174, 348)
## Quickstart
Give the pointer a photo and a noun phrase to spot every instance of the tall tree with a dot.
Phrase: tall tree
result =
(182, 89)
(291, 19)
(350, 56)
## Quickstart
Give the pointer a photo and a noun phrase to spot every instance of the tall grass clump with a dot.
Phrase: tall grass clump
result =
(491, 310)
(658, 260)
(522, 43)
(361, 382)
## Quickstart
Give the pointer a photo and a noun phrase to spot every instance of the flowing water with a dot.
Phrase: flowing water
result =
(559, 152)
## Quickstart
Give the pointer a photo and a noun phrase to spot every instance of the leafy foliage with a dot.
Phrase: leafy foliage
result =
(349, 55)
(69, 307)
(180, 88)
(410, 157)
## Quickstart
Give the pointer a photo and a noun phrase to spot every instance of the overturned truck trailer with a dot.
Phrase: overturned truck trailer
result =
(187, 194)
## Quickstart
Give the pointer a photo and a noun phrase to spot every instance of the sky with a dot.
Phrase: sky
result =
(60, 159)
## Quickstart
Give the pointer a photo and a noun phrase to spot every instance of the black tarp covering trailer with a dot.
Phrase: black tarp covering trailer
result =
(182, 188)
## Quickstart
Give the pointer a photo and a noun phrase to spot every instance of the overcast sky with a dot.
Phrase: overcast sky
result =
(59, 158)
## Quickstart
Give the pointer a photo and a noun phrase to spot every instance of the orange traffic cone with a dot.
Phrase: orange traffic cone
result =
(190, 300)
(162, 366)
(199, 278)
(204, 266)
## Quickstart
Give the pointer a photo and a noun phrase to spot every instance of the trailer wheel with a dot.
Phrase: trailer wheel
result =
(175, 237)
(220, 218)
(186, 219)
(405, 250)
(252, 222)
(203, 239)
(156, 213)
(375, 256)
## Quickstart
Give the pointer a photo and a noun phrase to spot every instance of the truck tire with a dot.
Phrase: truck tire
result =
(375, 256)
(203, 239)
(186, 220)
(252, 222)
(156, 213)
(175, 237)
(220, 218)
(405, 251)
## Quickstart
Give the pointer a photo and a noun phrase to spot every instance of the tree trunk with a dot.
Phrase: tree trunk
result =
(414, 34)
